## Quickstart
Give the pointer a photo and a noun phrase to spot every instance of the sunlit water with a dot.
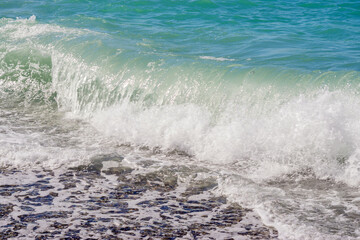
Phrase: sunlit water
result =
(263, 94)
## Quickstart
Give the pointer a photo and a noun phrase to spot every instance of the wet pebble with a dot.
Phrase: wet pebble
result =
(149, 206)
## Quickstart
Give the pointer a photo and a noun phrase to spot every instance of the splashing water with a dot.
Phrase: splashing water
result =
(269, 105)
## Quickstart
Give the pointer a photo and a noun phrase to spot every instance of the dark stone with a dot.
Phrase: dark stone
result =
(27, 208)
(58, 225)
(45, 200)
(5, 209)
(8, 234)
(69, 185)
(118, 170)
(44, 215)
(53, 194)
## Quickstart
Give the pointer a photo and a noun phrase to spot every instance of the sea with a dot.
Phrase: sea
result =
(264, 95)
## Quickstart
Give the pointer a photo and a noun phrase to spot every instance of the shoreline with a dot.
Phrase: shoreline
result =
(104, 200)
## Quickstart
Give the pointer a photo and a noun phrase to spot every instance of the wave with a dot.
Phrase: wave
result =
(266, 121)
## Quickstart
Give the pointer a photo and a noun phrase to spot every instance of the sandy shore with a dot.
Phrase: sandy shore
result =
(106, 200)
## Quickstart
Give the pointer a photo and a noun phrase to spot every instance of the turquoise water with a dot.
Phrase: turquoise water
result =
(305, 35)
(267, 92)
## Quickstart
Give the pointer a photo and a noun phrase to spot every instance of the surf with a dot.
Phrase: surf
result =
(273, 135)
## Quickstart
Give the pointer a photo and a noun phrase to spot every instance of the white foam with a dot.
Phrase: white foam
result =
(316, 132)
(30, 139)
(28, 28)
(221, 59)
(253, 126)
(296, 212)
(254, 131)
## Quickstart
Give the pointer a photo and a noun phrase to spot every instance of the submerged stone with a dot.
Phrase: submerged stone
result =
(150, 205)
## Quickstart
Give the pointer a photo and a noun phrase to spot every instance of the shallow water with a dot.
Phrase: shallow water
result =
(264, 95)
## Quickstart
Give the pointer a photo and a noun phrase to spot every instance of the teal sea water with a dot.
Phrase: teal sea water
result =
(265, 93)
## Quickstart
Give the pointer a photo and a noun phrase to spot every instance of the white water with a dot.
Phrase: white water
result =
(316, 133)
(292, 153)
